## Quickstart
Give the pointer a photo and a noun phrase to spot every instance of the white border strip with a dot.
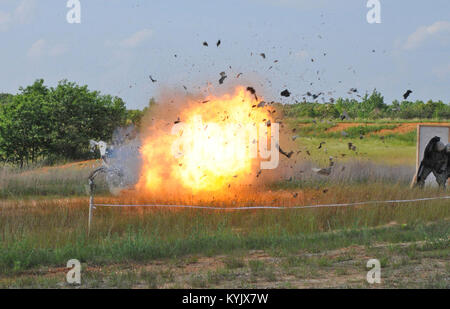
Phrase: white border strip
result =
(278, 207)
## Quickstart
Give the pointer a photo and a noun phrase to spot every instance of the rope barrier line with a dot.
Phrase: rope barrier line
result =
(92, 205)
(275, 207)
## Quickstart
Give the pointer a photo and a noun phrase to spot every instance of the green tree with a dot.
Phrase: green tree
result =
(372, 106)
(79, 115)
(53, 123)
(5, 98)
(24, 126)
(134, 116)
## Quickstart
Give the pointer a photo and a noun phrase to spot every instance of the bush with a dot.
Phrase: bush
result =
(370, 108)
(55, 123)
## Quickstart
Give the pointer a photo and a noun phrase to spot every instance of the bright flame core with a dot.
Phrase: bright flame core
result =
(213, 145)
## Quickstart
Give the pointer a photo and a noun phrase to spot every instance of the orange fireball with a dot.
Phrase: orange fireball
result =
(211, 145)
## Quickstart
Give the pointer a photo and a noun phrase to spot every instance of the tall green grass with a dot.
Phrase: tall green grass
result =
(47, 181)
(43, 212)
(54, 231)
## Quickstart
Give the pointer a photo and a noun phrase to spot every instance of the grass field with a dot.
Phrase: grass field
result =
(44, 211)
(385, 142)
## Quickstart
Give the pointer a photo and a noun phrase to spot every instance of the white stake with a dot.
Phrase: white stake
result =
(91, 204)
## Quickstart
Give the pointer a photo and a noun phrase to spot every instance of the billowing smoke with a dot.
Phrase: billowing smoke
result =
(123, 159)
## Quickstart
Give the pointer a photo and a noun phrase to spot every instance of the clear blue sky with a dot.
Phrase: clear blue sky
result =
(119, 43)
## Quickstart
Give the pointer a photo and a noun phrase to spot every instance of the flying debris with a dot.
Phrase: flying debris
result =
(252, 91)
(295, 195)
(407, 93)
(322, 171)
(261, 104)
(331, 161)
(351, 147)
(345, 116)
(320, 146)
(153, 80)
(288, 155)
(222, 78)
(239, 75)
(218, 43)
(205, 44)
(263, 55)
(315, 96)
(286, 93)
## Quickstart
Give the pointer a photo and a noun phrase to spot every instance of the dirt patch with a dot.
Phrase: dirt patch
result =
(402, 128)
(344, 126)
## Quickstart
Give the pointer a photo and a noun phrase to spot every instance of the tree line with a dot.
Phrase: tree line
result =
(52, 124)
(370, 107)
